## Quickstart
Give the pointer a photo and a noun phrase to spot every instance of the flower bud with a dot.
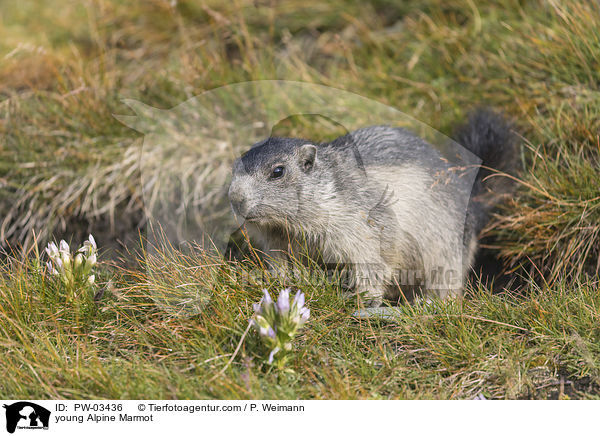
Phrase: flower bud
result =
(267, 297)
(304, 314)
(267, 308)
(283, 302)
(78, 261)
(59, 265)
(299, 300)
(51, 269)
(261, 322)
(67, 276)
(66, 259)
(91, 260)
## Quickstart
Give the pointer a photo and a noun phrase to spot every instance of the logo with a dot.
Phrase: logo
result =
(26, 415)
(189, 152)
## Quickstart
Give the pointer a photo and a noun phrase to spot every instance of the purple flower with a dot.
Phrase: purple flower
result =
(64, 247)
(278, 322)
(72, 266)
(299, 300)
(304, 314)
(267, 297)
(92, 241)
(52, 249)
(283, 302)
(51, 269)
(89, 247)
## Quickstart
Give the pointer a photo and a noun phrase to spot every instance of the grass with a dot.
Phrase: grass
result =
(68, 167)
(132, 345)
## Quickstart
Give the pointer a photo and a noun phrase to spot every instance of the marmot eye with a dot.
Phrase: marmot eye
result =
(277, 172)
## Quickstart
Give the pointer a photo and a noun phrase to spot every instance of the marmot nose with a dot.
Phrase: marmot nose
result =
(238, 202)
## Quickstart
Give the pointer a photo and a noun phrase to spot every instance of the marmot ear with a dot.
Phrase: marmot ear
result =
(308, 154)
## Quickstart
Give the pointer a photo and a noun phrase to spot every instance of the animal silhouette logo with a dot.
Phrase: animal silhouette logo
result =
(185, 166)
(26, 415)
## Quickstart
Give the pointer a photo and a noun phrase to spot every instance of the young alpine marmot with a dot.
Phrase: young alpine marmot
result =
(378, 201)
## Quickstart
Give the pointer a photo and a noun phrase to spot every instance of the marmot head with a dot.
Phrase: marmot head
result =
(272, 183)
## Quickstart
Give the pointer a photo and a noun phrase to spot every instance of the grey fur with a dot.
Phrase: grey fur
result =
(380, 200)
